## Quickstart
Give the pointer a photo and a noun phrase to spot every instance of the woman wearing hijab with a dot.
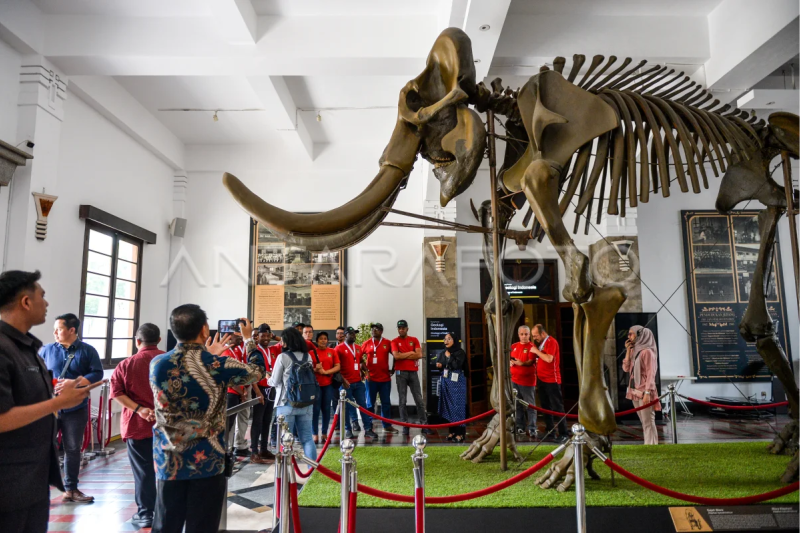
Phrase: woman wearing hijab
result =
(641, 361)
(453, 386)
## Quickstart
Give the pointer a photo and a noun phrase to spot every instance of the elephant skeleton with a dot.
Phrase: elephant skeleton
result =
(644, 127)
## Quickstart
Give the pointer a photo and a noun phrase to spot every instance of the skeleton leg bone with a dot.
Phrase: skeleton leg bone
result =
(757, 326)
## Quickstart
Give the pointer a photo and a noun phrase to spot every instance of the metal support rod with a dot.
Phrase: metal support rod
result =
(578, 440)
(347, 463)
(287, 445)
(418, 459)
(791, 214)
(342, 414)
(500, 371)
(431, 226)
(516, 406)
(673, 413)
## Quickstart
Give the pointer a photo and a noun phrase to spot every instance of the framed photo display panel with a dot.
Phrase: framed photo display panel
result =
(291, 284)
(720, 253)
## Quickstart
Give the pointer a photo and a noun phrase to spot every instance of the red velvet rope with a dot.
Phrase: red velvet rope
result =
(426, 426)
(701, 499)
(735, 407)
(443, 499)
(321, 452)
(617, 414)
(295, 508)
(351, 515)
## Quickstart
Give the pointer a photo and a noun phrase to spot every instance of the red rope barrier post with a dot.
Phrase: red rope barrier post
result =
(673, 413)
(276, 499)
(351, 525)
(578, 440)
(418, 458)
(347, 462)
(292, 497)
(287, 447)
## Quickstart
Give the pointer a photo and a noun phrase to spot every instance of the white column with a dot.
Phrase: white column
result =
(180, 182)
(40, 112)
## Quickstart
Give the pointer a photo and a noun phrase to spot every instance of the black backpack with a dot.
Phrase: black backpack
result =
(302, 387)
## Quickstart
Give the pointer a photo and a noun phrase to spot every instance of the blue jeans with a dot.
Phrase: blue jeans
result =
(384, 388)
(328, 396)
(299, 421)
(357, 393)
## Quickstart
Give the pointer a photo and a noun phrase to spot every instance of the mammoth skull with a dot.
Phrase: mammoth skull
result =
(433, 121)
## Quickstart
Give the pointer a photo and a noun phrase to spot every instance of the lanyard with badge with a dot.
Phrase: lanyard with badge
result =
(375, 350)
(355, 359)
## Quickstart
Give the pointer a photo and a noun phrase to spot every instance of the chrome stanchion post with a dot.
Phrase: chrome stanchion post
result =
(673, 413)
(102, 417)
(347, 463)
(342, 415)
(578, 440)
(418, 458)
(276, 502)
(287, 446)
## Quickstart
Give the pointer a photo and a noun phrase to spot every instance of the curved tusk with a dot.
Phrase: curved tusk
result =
(396, 164)
(340, 240)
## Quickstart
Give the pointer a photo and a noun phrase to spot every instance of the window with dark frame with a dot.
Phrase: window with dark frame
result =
(110, 292)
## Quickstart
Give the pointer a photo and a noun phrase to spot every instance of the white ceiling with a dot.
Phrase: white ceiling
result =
(342, 60)
(614, 8)
(127, 8)
(344, 8)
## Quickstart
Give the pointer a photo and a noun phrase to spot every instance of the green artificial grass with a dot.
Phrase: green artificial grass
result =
(719, 470)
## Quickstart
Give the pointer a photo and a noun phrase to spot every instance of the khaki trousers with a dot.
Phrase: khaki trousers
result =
(648, 419)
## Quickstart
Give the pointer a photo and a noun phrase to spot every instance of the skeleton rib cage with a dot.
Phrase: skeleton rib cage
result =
(669, 128)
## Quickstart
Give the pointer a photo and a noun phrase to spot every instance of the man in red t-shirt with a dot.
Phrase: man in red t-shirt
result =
(407, 352)
(325, 367)
(380, 363)
(130, 387)
(350, 360)
(262, 413)
(523, 379)
(237, 395)
(548, 372)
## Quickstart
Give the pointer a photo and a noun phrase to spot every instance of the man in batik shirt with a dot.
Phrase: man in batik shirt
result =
(189, 386)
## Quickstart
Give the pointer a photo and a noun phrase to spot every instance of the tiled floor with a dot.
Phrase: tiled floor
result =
(250, 494)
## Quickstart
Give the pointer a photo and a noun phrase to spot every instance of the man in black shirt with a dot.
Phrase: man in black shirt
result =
(28, 461)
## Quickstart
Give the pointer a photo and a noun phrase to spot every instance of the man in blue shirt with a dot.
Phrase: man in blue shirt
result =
(189, 385)
(71, 358)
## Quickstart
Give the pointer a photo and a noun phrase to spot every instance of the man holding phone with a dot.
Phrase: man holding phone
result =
(71, 358)
(28, 456)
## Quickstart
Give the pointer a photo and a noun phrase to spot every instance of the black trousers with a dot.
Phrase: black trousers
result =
(30, 519)
(140, 453)
(259, 431)
(550, 398)
(194, 502)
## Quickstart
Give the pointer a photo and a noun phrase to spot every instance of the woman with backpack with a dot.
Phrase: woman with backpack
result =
(296, 388)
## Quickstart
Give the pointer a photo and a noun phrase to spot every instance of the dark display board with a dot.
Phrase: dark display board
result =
(435, 330)
(623, 322)
(720, 253)
(290, 284)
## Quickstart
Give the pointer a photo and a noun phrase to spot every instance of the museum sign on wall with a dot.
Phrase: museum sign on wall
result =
(720, 253)
(290, 284)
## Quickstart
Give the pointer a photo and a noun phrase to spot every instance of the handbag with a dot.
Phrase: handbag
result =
(337, 380)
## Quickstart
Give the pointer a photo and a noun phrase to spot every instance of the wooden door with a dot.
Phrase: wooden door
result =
(478, 360)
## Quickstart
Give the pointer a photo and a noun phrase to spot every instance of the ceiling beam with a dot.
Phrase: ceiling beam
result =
(111, 100)
(529, 41)
(285, 46)
(483, 22)
(22, 26)
(276, 97)
(236, 20)
(764, 39)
